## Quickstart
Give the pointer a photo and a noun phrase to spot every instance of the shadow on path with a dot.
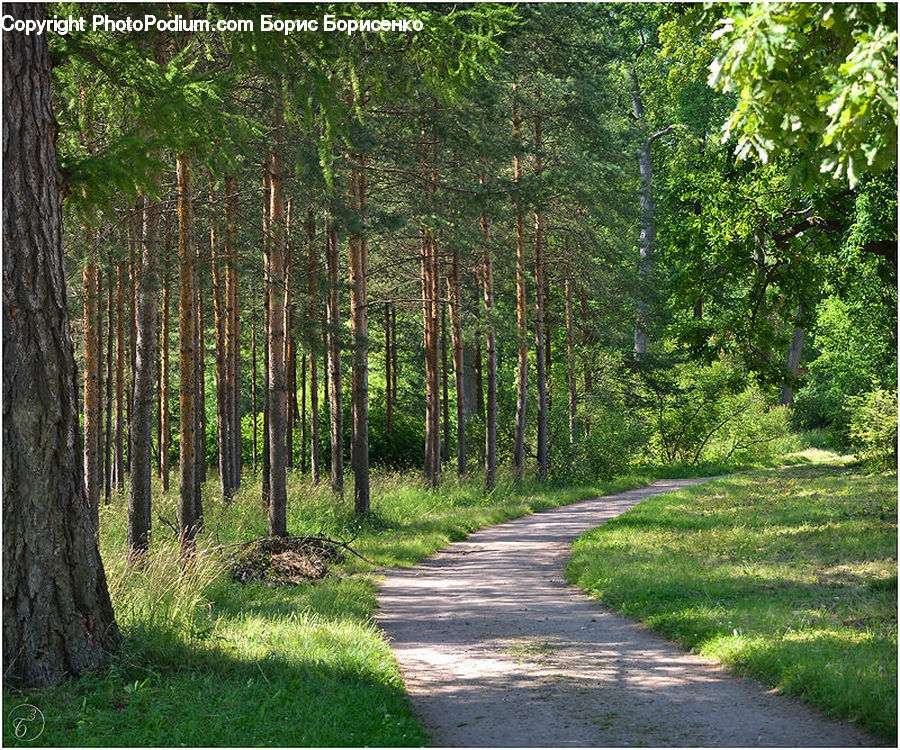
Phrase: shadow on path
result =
(498, 651)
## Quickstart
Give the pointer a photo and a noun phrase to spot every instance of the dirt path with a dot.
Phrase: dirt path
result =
(498, 651)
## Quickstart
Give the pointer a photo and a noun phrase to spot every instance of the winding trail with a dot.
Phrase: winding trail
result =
(498, 651)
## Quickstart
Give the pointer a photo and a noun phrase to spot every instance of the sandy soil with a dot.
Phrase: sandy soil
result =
(498, 651)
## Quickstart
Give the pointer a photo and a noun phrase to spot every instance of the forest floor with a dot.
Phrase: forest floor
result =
(497, 650)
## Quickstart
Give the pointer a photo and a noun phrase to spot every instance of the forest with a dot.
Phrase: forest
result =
(260, 278)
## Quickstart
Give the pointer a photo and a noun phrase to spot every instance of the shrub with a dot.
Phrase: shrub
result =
(873, 428)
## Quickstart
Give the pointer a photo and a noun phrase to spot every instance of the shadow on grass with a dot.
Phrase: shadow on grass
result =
(281, 668)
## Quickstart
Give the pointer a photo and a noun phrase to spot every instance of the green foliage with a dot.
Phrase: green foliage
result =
(816, 78)
(712, 413)
(873, 428)
(787, 577)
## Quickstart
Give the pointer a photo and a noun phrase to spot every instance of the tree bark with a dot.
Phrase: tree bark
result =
(275, 376)
(187, 336)
(388, 387)
(119, 444)
(224, 411)
(455, 295)
(490, 346)
(541, 368)
(334, 363)
(232, 370)
(164, 420)
(521, 315)
(92, 348)
(647, 239)
(139, 518)
(57, 618)
(795, 352)
(585, 342)
(570, 354)
(445, 390)
(359, 325)
(313, 344)
(107, 433)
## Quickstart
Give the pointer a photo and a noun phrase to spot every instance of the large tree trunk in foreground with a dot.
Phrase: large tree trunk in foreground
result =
(57, 617)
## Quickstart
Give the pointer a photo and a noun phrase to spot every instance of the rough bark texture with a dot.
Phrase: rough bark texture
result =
(521, 319)
(187, 336)
(139, 522)
(275, 376)
(57, 617)
(290, 342)
(334, 363)
(359, 326)
(541, 352)
(431, 326)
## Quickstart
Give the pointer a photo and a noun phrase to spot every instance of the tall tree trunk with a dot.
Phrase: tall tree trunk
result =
(232, 370)
(119, 443)
(490, 346)
(445, 390)
(521, 314)
(431, 325)
(395, 370)
(388, 388)
(304, 432)
(334, 363)
(455, 295)
(107, 433)
(165, 428)
(290, 343)
(359, 325)
(253, 404)
(647, 240)
(275, 377)
(795, 352)
(224, 412)
(200, 385)
(187, 336)
(541, 368)
(570, 354)
(267, 207)
(139, 519)
(312, 316)
(585, 343)
(92, 348)
(57, 618)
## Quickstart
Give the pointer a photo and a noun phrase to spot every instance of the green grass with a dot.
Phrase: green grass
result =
(789, 577)
(209, 662)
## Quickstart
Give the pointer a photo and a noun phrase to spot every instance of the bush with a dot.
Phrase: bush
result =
(873, 428)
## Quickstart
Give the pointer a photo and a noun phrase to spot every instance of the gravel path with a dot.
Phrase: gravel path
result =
(498, 651)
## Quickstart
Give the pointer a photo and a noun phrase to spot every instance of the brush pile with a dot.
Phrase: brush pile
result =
(285, 560)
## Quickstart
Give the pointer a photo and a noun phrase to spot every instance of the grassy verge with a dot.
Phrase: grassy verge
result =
(789, 577)
(209, 662)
